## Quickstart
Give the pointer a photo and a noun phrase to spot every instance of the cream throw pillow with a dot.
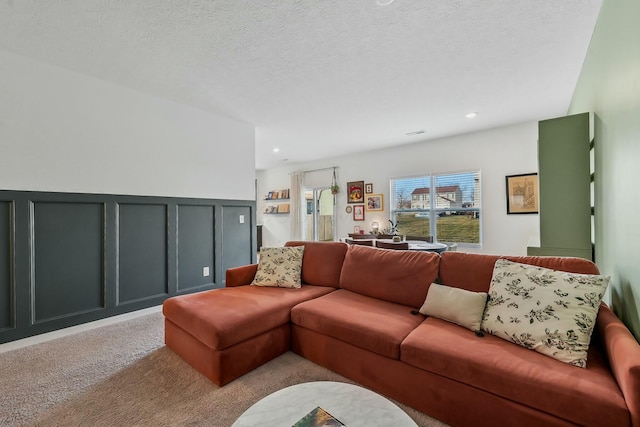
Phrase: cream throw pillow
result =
(551, 312)
(279, 267)
(455, 305)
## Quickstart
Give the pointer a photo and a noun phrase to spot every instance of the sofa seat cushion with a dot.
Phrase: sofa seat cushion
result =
(518, 374)
(220, 318)
(369, 323)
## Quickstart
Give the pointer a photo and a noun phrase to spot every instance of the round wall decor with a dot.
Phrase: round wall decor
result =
(348, 209)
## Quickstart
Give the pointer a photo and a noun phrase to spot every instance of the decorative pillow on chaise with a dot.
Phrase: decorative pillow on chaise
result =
(462, 307)
(279, 267)
(551, 312)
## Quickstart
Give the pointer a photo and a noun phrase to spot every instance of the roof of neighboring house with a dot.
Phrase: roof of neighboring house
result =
(443, 189)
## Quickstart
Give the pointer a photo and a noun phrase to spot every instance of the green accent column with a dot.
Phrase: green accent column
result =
(564, 177)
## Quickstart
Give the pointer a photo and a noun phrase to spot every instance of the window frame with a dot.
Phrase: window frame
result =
(433, 211)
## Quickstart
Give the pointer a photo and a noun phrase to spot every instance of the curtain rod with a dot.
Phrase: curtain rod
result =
(316, 170)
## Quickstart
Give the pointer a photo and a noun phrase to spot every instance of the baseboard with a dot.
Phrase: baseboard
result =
(25, 342)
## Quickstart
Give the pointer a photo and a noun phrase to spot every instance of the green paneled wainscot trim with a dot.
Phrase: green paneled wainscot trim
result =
(70, 258)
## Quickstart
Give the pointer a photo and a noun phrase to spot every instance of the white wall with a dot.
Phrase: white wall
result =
(64, 131)
(496, 153)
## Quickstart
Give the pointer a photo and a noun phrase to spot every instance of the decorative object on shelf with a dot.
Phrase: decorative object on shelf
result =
(375, 227)
(355, 192)
(275, 195)
(522, 193)
(375, 202)
(358, 213)
(368, 188)
(335, 188)
(348, 209)
(356, 229)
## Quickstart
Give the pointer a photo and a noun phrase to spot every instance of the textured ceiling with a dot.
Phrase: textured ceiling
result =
(320, 78)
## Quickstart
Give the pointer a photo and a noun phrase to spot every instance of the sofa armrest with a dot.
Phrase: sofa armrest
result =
(623, 352)
(239, 276)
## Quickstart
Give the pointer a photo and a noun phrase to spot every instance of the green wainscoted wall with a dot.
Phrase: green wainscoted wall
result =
(609, 86)
(564, 179)
(70, 258)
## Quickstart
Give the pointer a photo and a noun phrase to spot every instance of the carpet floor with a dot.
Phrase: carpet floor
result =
(123, 375)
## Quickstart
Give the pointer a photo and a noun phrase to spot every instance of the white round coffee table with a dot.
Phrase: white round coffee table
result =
(354, 406)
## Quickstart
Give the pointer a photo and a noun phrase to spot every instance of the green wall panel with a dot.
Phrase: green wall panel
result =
(6, 294)
(195, 246)
(67, 259)
(142, 252)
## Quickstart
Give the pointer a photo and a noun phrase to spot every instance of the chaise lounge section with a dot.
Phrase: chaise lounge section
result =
(356, 315)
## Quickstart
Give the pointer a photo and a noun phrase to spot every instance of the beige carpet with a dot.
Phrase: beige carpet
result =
(123, 375)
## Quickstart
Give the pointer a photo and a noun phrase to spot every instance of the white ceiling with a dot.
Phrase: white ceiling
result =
(321, 78)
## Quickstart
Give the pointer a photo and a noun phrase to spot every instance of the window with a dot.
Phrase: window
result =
(451, 200)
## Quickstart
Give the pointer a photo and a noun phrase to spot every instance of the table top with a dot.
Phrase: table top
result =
(420, 245)
(353, 405)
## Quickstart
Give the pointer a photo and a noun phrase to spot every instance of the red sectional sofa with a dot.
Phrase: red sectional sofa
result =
(354, 315)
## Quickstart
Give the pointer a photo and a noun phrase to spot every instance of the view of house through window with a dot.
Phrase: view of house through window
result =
(445, 206)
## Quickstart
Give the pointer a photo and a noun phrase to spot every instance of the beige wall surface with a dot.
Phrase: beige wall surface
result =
(68, 132)
(609, 86)
(495, 153)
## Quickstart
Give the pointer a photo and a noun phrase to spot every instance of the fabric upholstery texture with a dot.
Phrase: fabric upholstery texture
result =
(462, 307)
(238, 276)
(402, 277)
(545, 310)
(223, 317)
(321, 262)
(473, 272)
(279, 267)
(366, 322)
(518, 374)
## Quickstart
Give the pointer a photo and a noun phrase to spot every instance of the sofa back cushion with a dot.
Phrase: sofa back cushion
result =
(321, 262)
(402, 277)
(473, 272)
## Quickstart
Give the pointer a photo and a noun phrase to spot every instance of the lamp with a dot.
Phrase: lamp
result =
(375, 227)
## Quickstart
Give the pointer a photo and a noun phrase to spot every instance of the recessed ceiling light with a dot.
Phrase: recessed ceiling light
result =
(276, 150)
(384, 2)
(471, 115)
(417, 132)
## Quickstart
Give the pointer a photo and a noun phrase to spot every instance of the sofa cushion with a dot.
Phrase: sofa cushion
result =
(375, 325)
(279, 267)
(220, 318)
(402, 277)
(456, 305)
(551, 312)
(473, 272)
(517, 374)
(321, 262)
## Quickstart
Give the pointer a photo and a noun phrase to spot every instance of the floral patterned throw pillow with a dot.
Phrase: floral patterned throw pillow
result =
(551, 312)
(279, 267)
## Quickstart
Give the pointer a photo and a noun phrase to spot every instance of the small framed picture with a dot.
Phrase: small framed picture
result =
(355, 192)
(522, 194)
(368, 188)
(358, 213)
(375, 202)
(356, 229)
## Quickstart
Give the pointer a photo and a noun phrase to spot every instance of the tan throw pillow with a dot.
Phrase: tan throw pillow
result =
(279, 267)
(551, 312)
(455, 305)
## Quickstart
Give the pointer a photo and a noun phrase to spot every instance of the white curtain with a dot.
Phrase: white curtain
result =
(298, 208)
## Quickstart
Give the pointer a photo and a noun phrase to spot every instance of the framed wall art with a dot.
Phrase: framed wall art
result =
(375, 202)
(368, 188)
(522, 193)
(358, 213)
(355, 192)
